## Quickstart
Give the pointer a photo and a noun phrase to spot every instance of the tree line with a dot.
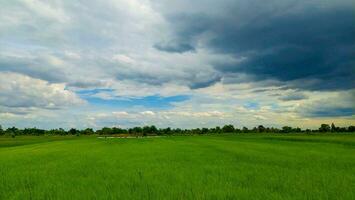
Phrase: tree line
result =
(153, 130)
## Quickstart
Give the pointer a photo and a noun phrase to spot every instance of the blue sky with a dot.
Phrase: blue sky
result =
(176, 63)
(153, 102)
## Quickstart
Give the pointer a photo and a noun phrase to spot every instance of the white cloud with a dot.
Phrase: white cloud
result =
(46, 10)
(123, 58)
(148, 113)
(72, 55)
(120, 114)
(20, 91)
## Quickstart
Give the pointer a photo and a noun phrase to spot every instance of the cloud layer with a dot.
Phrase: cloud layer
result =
(24, 92)
(286, 41)
(176, 63)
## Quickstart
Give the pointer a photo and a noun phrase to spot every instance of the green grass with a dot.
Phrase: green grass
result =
(181, 167)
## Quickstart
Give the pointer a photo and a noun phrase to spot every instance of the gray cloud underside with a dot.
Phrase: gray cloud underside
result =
(288, 41)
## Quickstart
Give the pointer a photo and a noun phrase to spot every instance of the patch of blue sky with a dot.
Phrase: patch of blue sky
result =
(152, 102)
(274, 106)
(93, 91)
(252, 105)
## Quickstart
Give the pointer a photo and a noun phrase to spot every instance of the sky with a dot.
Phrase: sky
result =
(176, 63)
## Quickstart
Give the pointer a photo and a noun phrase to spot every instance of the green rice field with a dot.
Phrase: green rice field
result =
(254, 166)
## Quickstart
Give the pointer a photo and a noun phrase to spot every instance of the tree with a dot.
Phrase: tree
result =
(245, 130)
(204, 130)
(178, 130)
(254, 130)
(135, 130)
(13, 131)
(333, 128)
(343, 129)
(166, 131)
(274, 130)
(33, 131)
(286, 129)
(228, 128)
(88, 131)
(153, 129)
(150, 130)
(116, 130)
(61, 131)
(261, 129)
(218, 129)
(146, 130)
(73, 131)
(324, 128)
(105, 131)
(297, 130)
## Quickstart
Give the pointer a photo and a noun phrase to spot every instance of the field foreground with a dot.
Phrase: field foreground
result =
(179, 167)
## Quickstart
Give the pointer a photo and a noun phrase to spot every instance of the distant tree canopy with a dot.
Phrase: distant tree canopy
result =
(324, 128)
(153, 130)
(228, 128)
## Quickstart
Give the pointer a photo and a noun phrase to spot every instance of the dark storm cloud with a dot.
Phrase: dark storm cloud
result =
(314, 44)
(185, 37)
(206, 83)
(174, 48)
(330, 112)
(293, 97)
